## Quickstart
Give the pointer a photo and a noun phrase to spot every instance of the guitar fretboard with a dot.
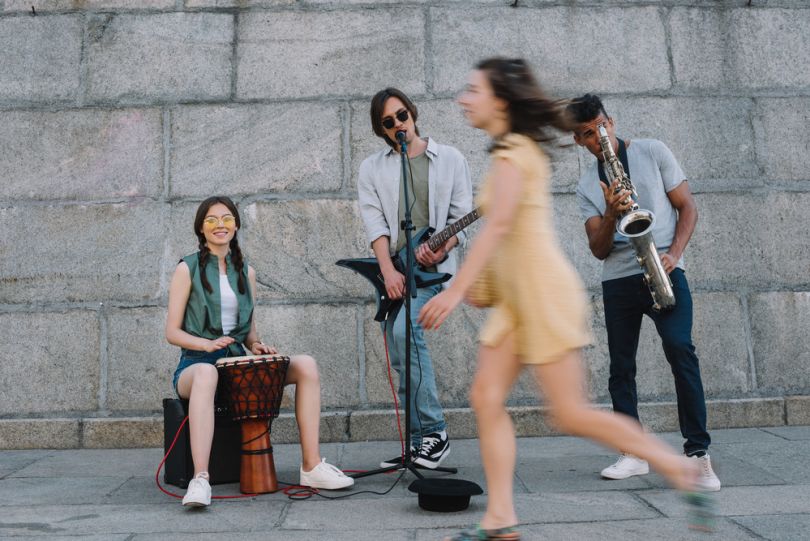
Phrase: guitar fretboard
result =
(441, 237)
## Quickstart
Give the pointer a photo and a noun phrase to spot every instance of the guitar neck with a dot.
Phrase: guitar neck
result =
(437, 239)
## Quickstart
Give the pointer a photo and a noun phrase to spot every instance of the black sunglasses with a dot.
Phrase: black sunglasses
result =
(388, 122)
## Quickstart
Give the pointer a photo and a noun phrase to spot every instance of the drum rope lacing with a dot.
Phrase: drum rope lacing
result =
(291, 490)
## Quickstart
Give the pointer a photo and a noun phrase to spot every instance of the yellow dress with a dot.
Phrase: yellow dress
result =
(534, 290)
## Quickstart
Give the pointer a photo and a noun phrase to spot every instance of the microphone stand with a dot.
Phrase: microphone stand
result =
(410, 292)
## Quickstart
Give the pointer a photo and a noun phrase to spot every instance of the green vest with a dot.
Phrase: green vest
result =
(203, 315)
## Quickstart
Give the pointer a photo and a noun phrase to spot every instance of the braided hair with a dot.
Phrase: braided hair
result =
(237, 258)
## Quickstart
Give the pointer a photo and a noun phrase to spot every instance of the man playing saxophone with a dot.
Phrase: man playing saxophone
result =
(661, 188)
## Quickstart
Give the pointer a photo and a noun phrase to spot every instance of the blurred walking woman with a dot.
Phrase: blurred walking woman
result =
(210, 316)
(540, 310)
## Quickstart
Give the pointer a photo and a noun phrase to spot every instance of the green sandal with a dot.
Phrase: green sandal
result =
(479, 534)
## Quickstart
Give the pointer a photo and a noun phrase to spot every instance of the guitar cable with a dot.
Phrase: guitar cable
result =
(295, 491)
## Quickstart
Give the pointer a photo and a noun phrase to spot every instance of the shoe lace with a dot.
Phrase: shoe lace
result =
(329, 467)
(706, 466)
(428, 443)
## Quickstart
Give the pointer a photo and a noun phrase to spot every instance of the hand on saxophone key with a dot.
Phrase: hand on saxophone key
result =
(616, 203)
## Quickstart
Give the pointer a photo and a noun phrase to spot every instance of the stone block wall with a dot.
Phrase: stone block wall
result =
(118, 116)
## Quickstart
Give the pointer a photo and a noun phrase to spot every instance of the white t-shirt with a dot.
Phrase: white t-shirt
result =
(229, 306)
(654, 172)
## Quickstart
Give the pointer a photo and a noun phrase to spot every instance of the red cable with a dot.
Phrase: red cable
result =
(172, 494)
(294, 492)
(396, 402)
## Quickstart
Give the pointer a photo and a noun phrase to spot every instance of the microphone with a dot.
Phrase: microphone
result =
(401, 137)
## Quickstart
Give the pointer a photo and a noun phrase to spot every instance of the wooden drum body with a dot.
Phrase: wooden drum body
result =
(253, 386)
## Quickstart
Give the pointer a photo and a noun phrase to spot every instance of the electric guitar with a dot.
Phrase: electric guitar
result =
(369, 268)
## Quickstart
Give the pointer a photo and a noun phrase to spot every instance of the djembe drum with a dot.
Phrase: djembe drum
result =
(253, 386)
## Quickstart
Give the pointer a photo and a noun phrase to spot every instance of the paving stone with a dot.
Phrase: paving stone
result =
(734, 501)
(11, 461)
(659, 529)
(779, 323)
(81, 154)
(557, 41)
(255, 149)
(782, 459)
(164, 57)
(731, 470)
(44, 271)
(290, 535)
(744, 435)
(573, 474)
(37, 381)
(791, 527)
(34, 491)
(41, 59)
(95, 519)
(352, 58)
(94, 463)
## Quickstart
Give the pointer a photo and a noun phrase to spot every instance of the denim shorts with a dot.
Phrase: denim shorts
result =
(191, 356)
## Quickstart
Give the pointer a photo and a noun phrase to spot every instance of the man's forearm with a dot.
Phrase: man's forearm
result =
(601, 242)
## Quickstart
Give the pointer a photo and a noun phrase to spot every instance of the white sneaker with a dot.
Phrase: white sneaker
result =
(626, 466)
(325, 475)
(198, 493)
(707, 480)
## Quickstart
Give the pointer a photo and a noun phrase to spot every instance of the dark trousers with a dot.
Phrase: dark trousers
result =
(626, 300)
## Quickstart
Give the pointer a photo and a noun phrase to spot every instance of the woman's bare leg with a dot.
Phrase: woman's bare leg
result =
(562, 383)
(198, 383)
(303, 373)
(498, 368)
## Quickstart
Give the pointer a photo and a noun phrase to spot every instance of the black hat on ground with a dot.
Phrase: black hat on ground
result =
(444, 495)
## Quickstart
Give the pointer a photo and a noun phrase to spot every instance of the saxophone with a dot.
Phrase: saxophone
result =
(636, 224)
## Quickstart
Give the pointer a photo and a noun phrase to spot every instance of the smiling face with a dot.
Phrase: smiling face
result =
(396, 115)
(219, 225)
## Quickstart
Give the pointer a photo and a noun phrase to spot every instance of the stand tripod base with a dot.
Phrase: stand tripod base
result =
(409, 465)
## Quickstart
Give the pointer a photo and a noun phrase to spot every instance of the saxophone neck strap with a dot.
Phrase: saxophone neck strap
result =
(622, 158)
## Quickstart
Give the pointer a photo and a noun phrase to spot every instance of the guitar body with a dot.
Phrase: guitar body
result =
(369, 268)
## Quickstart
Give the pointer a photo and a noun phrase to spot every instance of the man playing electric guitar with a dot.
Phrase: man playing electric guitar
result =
(440, 194)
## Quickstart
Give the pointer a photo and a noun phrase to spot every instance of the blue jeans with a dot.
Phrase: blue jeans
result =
(626, 301)
(191, 356)
(426, 411)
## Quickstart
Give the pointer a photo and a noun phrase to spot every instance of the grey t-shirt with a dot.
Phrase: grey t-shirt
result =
(654, 172)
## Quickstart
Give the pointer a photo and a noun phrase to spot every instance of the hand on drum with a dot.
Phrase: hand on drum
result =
(257, 348)
(219, 343)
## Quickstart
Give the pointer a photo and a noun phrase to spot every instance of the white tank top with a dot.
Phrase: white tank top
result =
(228, 304)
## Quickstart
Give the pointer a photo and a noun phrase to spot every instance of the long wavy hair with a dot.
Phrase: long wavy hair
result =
(236, 253)
(531, 112)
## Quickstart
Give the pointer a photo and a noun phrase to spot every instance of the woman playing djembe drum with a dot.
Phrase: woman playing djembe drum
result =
(210, 316)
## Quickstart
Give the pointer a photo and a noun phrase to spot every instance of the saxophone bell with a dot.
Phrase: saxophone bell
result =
(637, 227)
